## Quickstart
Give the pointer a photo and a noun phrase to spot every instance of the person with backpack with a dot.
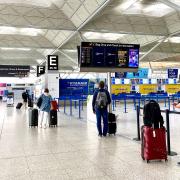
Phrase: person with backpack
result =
(101, 100)
(44, 104)
(25, 97)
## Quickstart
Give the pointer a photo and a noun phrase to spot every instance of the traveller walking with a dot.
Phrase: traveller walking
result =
(45, 107)
(101, 100)
(25, 96)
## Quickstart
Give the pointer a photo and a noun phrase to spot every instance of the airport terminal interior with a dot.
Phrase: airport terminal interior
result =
(61, 60)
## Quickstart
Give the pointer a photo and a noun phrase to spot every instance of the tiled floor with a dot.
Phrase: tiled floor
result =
(73, 151)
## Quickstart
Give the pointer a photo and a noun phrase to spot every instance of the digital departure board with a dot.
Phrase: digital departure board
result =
(99, 57)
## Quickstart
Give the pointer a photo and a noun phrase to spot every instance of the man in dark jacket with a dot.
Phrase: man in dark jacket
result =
(25, 97)
(101, 100)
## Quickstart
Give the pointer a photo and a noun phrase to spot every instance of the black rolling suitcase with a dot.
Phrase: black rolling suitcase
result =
(30, 103)
(53, 118)
(112, 126)
(33, 117)
(19, 105)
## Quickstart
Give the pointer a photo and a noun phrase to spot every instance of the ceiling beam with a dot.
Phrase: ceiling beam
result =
(102, 6)
(70, 58)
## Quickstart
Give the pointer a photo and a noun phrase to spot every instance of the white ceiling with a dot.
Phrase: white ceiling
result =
(32, 29)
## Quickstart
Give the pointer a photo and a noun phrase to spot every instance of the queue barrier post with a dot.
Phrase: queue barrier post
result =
(79, 109)
(82, 104)
(138, 138)
(113, 105)
(170, 153)
(75, 105)
(70, 107)
(64, 106)
(125, 105)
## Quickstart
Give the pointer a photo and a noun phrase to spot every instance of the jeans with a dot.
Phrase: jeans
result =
(104, 114)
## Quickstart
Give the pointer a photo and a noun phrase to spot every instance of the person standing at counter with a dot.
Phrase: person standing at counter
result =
(101, 100)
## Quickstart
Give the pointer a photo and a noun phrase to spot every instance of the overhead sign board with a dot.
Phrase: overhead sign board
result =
(104, 57)
(173, 73)
(14, 71)
(142, 73)
(53, 62)
(40, 70)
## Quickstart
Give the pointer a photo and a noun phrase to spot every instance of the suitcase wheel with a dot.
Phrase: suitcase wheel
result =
(147, 161)
(166, 160)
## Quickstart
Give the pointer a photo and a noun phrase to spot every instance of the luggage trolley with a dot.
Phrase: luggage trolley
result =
(10, 99)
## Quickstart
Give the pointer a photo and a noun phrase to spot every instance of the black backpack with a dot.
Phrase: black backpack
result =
(152, 115)
(39, 102)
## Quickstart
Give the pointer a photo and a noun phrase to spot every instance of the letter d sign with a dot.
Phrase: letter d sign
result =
(52, 62)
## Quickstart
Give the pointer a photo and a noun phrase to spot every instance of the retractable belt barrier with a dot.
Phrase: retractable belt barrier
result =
(80, 100)
(168, 134)
(138, 99)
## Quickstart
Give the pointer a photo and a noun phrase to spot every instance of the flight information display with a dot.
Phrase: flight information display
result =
(109, 55)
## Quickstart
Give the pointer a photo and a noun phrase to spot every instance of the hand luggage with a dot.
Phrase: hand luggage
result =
(30, 103)
(39, 102)
(111, 117)
(53, 118)
(33, 117)
(54, 105)
(153, 145)
(19, 105)
(112, 126)
(152, 114)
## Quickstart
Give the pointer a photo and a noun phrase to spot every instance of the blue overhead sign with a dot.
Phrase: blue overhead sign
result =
(73, 87)
(142, 73)
(172, 73)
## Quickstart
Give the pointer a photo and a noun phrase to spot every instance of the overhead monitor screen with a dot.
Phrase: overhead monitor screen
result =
(109, 55)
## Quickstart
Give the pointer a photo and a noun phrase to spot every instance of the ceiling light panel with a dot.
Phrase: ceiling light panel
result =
(39, 3)
(103, 36)
(20, 31)
(138, 7)
(14, 49)
(174, 39)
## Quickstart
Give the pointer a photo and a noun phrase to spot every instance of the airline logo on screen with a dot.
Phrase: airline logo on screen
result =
(40, 70)
(52, 62)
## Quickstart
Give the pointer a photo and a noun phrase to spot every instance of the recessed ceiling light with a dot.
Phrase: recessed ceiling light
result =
(102, 36)
(20, 31)
(41, 3)
(14, 49)
(70, 50)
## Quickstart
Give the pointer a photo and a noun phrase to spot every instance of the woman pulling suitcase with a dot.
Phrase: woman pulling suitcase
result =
(44, 103)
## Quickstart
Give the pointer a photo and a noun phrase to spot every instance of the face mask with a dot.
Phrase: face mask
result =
(46, 94)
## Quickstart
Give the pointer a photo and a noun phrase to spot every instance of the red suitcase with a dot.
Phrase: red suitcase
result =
(153, 146)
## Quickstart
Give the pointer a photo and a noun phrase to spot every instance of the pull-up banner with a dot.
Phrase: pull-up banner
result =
(14, 71)
(40, 70)
(73, 87)
(53, 62)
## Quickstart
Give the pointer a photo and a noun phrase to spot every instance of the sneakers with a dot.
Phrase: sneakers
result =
(40, 125)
